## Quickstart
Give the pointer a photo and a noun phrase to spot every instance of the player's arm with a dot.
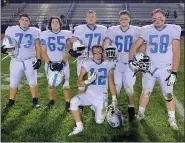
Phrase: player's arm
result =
(134, 48)
(44, 54)
(142, 48)
(112, 87)
(38, 49)
(73, 39)
(38, 54)
(80, 78)
(67, 55)
(176, 55)
(106, 42)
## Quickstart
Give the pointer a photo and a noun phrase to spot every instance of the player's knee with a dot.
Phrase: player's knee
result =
(14, 84)
(82, 88)
(74, 103)
(146, 93)
(66, 85)
(168, 96)
(99, 121)
(32, 83)
(129, 90)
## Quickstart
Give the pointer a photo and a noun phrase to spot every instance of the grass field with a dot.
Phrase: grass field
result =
(26, 124)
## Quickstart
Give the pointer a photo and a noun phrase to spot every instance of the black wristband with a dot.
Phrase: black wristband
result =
(175, 73)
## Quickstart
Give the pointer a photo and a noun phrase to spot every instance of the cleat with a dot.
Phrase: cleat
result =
(131, 113)
(76, 130)
(140, 116)
(172, 123)
(35, 103)
(9, 104)
(50, 104)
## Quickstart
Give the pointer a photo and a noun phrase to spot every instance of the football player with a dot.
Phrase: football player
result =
(100, 75)
(87, 34)
(27, 39)
(55, 45)
(162, 46)
(123, 36)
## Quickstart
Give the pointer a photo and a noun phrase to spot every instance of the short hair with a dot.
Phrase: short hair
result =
(50, 20)
(97, 46)
(25, 15)
(90, 12)
(158, 10)
(124, 12)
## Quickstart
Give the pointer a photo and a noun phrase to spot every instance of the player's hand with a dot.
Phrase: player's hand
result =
(74, 53)
(52, 66)
(91, 77)
(133, 65)
(171, 80)
(60, 66)
(37, 64)
(114, 101)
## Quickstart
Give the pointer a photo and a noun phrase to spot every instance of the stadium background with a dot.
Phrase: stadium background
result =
(22, 123)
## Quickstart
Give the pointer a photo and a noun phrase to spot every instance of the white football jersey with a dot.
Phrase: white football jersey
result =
(123, 40)
(90, 37)
(25, 40)
(100, 85)
(55, 43)
(159, 43)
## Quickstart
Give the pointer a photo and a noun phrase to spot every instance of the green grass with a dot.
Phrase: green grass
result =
(25, 124)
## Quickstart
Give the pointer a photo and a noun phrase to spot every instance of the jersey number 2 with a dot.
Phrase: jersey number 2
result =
(102, 74)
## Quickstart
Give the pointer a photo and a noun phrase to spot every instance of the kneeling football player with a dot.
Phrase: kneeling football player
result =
(99, 75)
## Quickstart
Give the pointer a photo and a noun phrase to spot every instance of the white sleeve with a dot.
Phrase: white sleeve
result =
(8, 31)
(77, 32)
(104, 32)
(176, 32)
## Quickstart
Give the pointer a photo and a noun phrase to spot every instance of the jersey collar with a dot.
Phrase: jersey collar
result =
(160, 29)
(96, 62)
(93, 28)
(125, 30)
(24, 29)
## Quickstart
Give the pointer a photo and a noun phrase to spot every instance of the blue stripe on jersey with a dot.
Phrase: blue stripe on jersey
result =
(55, 79)
(10, 40)
(24, 67)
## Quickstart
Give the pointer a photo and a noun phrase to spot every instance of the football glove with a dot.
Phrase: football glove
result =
(133, 65)
(171, 80)
(91, 77)
(37, 64)
(114, 101)
(52, 66)
(60, 66)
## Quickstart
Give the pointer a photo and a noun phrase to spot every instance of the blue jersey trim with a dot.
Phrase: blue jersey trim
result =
(160, 29)
(96, 62)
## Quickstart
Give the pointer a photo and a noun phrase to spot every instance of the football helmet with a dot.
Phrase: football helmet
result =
(143, 62)
(111, 51)
(114, 117)
(9, 45)
(55, 78)
(80, 50)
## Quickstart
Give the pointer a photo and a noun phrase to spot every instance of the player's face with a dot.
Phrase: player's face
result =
(91, 18)
(158, 19)
(55, 25)
(24, 22)
(97, 53)
(124, 20)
